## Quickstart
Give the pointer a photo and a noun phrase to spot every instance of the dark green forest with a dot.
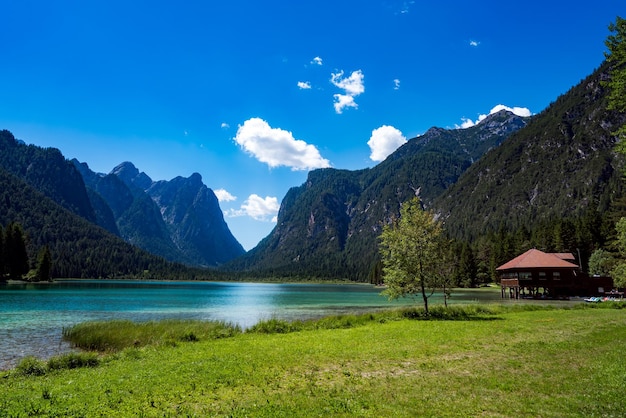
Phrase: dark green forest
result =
(77, 248)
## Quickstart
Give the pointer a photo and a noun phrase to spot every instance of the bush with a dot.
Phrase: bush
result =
(30, 366)
(272, 326)
(189, 336)
(73, 361)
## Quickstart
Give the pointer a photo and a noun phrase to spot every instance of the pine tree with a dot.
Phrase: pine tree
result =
(16, 255)
(467, 267)
(616, 56)
(2, 257)
(44, 264)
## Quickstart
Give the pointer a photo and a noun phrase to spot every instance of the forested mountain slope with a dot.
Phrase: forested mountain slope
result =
(329, 226)
(561, 165)
(47, 195)
(78, 248)
(48, 171)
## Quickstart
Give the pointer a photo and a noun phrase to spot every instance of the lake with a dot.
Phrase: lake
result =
(32, 316)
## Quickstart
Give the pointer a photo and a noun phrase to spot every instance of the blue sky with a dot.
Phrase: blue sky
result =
(254, 94)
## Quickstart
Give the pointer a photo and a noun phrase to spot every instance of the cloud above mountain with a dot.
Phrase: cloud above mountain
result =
(384, 141)
(519, 111)
(258, 208)
(352, 86)
(277, 147)
(224, 196)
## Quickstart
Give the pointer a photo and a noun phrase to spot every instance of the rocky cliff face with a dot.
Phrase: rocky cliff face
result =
(194, 220)
(179, 219)
(329, 226)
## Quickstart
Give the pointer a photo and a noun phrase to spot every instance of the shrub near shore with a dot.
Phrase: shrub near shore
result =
(524, 361)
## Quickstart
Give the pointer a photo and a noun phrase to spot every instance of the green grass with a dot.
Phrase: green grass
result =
(495, 361)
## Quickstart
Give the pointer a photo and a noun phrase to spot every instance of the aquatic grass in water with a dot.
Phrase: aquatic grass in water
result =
(113, 336)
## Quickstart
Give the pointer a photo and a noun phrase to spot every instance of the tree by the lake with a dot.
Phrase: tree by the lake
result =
(1, 253)
(44, 265)
(468, 270)
(16, 256)
(619, 270)
(601, 262)
(414, 253)
(616, 57)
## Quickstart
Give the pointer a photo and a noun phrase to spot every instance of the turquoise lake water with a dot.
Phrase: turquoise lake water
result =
(32, 316)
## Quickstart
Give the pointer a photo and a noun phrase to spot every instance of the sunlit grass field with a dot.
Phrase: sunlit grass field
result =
(471, 361)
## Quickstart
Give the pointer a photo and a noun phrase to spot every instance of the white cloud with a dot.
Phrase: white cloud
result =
(342, 101)
(277, 147)
(396, 84)
(467, 123)
(258, 208)
(519, 111)
(317, 61)
(224, 125)
(224, 196)
(384, 141)
(304, 85)
(474, 43)
(352, 86)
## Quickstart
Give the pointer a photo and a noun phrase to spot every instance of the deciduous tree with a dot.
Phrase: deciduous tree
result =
(601, 262)
(413, 251)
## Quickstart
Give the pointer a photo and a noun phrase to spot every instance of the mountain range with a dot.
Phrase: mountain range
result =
(329, 226)
(179, 219)
(118, 224)
(504, 175)
(562, 164)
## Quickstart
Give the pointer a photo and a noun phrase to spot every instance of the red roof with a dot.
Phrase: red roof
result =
(565, 256)
(537, 259)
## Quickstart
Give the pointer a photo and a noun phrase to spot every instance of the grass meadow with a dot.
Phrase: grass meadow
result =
(471, 361)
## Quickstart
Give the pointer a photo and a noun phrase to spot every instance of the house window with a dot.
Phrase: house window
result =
(556, 275)
(525, 275)
(542, 275)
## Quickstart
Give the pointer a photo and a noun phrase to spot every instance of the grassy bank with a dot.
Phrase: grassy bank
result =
(504, 362)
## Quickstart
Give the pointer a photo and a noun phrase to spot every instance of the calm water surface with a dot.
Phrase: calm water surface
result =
(32, 316)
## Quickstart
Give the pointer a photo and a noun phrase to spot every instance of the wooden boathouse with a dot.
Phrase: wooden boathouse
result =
(536, 274)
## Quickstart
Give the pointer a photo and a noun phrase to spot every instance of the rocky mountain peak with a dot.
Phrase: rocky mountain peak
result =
(130, 175)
